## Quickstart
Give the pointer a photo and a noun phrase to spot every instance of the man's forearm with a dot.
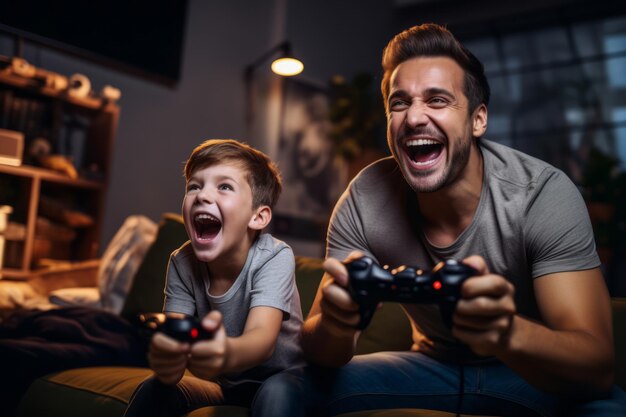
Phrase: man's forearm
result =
(327, 344)
(563, 361)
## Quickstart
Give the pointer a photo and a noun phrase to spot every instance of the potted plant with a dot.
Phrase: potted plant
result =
(357, 117)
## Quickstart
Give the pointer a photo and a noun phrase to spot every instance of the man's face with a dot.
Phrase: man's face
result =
(429, 128)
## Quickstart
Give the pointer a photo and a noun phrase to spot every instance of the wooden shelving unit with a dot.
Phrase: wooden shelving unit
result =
(43, 112)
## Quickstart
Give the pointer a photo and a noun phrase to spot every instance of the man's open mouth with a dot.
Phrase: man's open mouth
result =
(423, 151)
(206, 226)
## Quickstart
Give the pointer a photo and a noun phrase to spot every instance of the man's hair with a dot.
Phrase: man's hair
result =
(262, 174)
(432, 40)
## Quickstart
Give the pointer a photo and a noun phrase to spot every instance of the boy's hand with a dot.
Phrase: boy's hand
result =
(486, 310)
(208, 357)
(168, 358)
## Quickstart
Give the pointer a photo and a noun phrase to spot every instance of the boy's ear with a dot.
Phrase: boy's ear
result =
(261, 218)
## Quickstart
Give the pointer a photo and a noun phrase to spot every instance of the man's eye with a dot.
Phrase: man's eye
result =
(438, 101)
(397, 105)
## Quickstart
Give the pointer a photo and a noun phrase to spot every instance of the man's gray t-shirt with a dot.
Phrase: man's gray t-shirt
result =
(267, 279)
(531, 221)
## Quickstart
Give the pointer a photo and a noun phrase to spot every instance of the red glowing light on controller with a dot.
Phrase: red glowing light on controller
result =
(194, 333)
(437, 285)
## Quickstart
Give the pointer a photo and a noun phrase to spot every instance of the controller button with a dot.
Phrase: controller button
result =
(437, 285)
(359, 264)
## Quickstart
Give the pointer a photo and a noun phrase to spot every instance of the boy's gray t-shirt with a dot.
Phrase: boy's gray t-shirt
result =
(531, 221)
(267, 279)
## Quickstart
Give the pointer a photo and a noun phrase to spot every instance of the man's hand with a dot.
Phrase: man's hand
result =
(168, 358)
(208, 357)
(485, 313)
(329, 333)
(340, 314)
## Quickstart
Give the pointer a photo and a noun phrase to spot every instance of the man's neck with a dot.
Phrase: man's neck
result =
(446, 213)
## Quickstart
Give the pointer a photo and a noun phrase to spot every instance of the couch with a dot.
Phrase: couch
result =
(104, 391)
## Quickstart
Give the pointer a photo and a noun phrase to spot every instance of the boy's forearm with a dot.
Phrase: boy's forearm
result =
(247, 351)
(326, 344)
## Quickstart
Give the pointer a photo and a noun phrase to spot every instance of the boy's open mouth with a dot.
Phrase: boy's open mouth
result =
(206, 226)
(423, 151)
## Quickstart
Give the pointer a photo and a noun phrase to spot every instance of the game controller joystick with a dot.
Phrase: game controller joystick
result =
(181, 327)
(369, 283)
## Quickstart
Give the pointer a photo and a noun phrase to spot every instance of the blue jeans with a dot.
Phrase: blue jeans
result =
(279, 395)
(412, 380)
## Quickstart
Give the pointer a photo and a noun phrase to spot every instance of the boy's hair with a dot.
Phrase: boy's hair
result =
(432, 40)
(262, 174)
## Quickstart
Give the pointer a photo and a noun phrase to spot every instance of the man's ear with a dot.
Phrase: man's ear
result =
(479, 121)
(261, 218)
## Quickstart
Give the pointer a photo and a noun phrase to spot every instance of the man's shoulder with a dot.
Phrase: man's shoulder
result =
(513, 166)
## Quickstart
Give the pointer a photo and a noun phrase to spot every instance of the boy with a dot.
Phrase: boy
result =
(240, 281)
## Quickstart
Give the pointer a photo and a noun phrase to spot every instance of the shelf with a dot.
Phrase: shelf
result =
(85, 125)
(49, 176)
(11, 274)
(31, 85)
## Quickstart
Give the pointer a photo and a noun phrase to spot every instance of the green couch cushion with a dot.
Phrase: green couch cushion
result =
(104, 391)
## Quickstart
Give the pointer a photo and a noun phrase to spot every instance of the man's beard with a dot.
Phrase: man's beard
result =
(455, 165)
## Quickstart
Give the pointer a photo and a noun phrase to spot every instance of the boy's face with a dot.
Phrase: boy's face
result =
(217, 210)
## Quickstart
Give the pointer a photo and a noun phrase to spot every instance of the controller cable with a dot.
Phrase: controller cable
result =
(465, 354)
(459, 403)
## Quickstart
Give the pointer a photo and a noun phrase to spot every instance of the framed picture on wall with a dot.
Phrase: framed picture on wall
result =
(313, 175)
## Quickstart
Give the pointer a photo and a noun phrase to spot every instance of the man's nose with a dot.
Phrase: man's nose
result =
(416, 115)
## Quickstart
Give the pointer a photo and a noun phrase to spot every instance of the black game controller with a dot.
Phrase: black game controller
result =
(181, 327)
(369, 283)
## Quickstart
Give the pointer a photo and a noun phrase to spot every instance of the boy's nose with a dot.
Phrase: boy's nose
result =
(205, 195)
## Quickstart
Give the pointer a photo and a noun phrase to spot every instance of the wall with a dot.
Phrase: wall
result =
(159, 126)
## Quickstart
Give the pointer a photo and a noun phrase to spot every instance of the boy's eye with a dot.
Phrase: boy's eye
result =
(227, 187)
(192, 187)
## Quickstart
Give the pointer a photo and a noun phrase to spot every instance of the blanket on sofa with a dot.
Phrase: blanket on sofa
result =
(35, 343)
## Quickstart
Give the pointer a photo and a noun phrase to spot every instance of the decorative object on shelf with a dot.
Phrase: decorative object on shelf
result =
(19, 66)
(110, 93)
(11, 147)
(79, 86)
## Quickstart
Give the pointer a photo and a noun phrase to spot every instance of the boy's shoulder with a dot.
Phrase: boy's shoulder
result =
(267, 246)
(267, 252)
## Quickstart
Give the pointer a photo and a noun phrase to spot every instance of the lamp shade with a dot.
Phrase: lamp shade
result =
(287, 66)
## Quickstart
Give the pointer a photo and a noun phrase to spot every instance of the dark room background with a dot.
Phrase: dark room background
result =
(557, 71)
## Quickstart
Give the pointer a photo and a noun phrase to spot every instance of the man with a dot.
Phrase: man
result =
(532, 331)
